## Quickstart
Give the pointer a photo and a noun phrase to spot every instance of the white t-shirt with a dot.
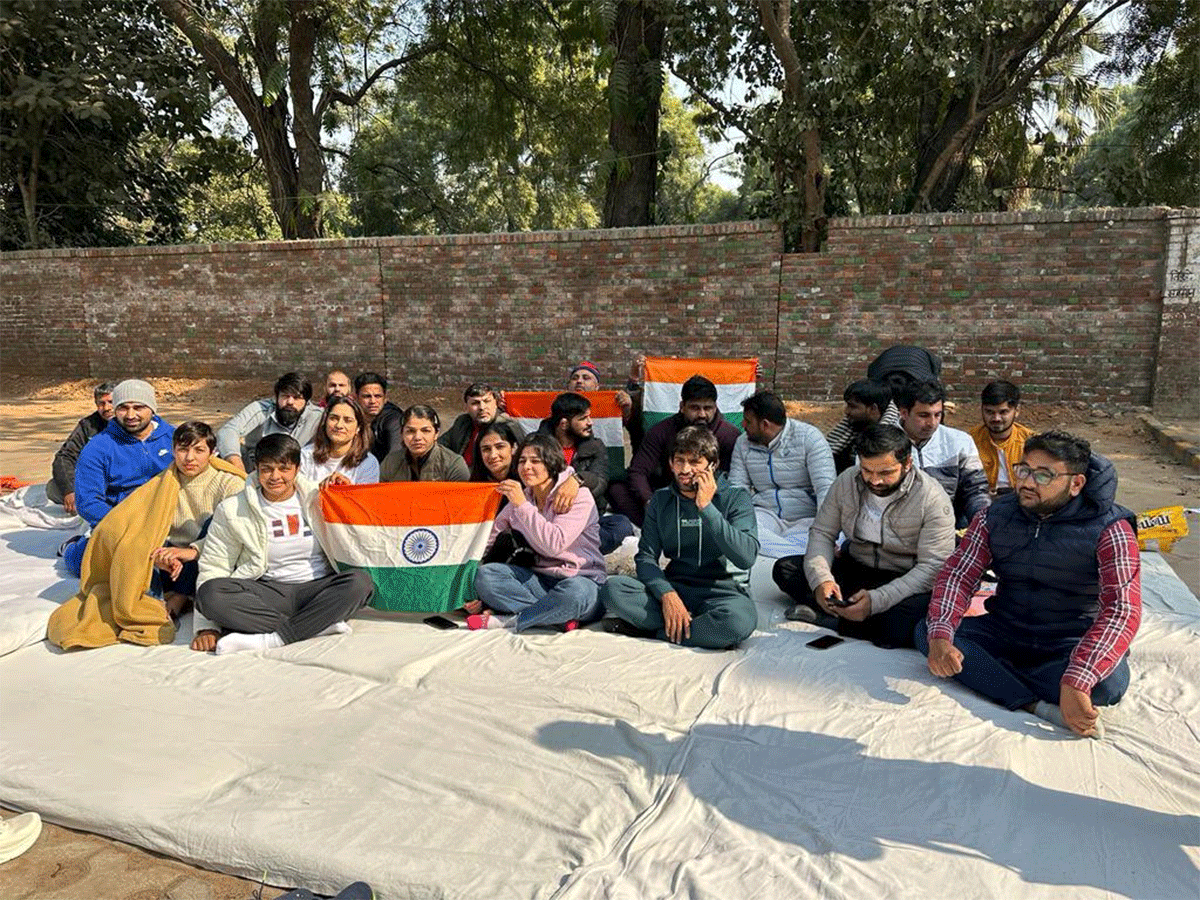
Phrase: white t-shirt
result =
(1002, 472)
(869, 524)
(366, 472)
(293, 554)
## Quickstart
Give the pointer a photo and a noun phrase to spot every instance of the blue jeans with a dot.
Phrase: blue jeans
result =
(1017, 670)
(537, 599)
(73, 555)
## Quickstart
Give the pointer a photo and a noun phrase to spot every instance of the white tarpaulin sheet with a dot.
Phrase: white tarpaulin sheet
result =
(586, 765)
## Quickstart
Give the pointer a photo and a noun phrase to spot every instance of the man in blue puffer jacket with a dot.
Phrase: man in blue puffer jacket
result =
(133, 448)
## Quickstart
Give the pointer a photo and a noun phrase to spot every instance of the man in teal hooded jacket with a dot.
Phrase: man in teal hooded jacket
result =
(706, 528)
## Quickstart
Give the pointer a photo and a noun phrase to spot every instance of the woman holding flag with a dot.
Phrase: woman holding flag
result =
(563, 585)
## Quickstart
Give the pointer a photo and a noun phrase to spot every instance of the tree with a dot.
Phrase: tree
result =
(637, 35)
(286, 65)
(499, 132)
(91, 94)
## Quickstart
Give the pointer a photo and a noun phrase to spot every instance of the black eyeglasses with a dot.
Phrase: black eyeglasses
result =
(1041, 477)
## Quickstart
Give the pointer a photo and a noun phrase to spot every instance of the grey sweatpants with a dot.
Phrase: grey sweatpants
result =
(295, 611)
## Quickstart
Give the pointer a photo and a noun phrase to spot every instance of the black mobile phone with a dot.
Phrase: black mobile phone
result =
(824, 642)
(840, 601)
(441, 623)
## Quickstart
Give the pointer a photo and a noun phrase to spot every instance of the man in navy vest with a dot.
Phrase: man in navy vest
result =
(1068, 599)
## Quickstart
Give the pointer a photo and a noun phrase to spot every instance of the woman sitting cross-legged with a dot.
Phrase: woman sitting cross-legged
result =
(562, 587)
(340, 452)
(263, 575)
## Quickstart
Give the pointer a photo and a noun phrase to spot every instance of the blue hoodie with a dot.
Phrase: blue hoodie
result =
(114, 463)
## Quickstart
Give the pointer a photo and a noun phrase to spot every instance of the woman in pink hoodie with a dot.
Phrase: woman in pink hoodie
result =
(562, 586)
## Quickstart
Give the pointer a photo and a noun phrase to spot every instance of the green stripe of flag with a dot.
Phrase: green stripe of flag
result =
(421, 588)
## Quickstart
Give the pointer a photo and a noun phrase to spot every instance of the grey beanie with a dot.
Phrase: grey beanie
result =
(134, 390)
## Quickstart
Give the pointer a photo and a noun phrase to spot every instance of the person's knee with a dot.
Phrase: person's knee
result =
(1110, 691)
(619, 591)
(785, 571)
(362, 586)
(740, 622)
(488, 575)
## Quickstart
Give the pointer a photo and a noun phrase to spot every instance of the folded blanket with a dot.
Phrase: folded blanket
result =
(113, 604)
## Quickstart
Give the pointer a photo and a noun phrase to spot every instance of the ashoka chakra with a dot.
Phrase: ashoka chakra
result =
(420, 546)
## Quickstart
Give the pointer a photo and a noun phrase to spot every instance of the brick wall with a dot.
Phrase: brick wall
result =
(1067, 304)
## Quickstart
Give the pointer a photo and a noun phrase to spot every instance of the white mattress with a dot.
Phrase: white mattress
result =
(491, 765)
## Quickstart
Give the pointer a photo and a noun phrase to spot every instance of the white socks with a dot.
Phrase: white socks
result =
(235, 642)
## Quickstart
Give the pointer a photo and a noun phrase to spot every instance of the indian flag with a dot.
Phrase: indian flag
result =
(734, 378)
(421, 542)
(530, 407)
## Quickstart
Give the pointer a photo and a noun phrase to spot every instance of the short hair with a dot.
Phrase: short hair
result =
(480, 389)
(360, 446)
(879, 440)
(421, 411)
(480, 472)
(929, 392)
(364, 378)
(567, 406)
(767, 406)
(277, 448)
(104, 387)
(868, 393)
(1066, 448)
(698, 388)
(193, 433)
(549, 451)
(997, 392)
(696, 440)
(293, 383)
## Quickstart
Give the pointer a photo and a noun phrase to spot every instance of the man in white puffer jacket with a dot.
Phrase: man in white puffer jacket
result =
(787, 467)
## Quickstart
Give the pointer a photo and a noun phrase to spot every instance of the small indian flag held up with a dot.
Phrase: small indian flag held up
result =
(421, 542)
(734, 378)
(530, 407)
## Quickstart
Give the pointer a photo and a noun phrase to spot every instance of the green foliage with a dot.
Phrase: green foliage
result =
(90, 94)
(227, 199)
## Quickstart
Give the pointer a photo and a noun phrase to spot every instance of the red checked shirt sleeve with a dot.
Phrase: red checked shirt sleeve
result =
(1103, 645)
(956, 583)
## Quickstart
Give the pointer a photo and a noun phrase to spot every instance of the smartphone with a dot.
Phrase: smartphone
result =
(441, 623)
(825, 641)
(843, 601)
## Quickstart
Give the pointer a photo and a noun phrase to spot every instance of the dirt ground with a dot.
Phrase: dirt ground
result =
(38, 415)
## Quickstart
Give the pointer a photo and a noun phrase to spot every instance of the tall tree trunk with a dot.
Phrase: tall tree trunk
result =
(944, 155)
(305, 22)
(27, 181)
(810, 184)
(635, 93)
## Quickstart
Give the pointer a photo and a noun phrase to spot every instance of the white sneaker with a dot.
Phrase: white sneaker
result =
(18, 834)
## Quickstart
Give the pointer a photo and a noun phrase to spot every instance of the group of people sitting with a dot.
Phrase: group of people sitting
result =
(873, 506)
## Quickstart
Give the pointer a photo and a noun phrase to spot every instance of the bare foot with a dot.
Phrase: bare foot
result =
(473, 607)
(176, 603)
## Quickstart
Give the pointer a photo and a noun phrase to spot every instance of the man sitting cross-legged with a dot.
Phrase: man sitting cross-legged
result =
(899, 529)
(786, 466)
(867, 402)
(61, 487)
(140, 571)
(706, 528)
(263, 575)
(1068, 598)
(481, 405)
(570, 423)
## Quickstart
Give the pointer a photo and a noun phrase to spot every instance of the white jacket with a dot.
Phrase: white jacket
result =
(789, 476)
(236, 543)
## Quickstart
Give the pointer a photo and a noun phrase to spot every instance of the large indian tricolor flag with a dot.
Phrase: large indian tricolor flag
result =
(530, 407)
(734, 378)
(421, 542)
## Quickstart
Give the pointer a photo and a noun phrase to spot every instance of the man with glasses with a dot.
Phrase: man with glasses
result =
(899, 528)
(1068, 598)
